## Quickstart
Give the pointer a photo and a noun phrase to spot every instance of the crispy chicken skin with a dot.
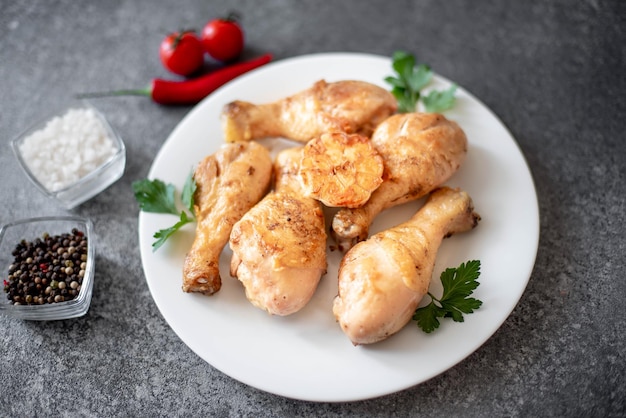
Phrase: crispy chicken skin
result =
(420, 152)
(345, 106)
(229, 183)
(279, 246)
(383, 279)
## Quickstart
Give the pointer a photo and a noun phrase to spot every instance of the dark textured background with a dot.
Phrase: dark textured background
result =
(553, 71)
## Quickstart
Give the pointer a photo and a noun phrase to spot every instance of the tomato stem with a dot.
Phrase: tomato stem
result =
(233, 16)
(179, 36)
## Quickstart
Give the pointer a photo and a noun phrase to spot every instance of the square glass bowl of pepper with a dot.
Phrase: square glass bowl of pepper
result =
(47, 267)
(72, 155)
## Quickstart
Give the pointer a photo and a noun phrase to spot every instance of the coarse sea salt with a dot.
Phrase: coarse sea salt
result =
(67, 148)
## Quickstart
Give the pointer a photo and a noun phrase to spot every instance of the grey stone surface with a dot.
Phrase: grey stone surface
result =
(552, 71)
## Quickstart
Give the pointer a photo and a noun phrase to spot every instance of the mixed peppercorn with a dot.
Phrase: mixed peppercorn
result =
(49, 269)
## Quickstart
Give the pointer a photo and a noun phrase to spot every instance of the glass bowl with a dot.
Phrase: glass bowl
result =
(67, 157)
(33, 230)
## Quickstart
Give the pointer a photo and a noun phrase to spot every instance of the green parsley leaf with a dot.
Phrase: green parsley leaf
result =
(458, 284)
(426, 317)
(163, 234)
(188, 192)
(403, 62)
(420, 77)
(438, 101)
(410, 79)
(155, 196)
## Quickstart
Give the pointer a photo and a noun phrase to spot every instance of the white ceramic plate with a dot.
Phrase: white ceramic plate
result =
(306, 356)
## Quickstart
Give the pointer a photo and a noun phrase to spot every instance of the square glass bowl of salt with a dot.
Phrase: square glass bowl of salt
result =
(71, 156)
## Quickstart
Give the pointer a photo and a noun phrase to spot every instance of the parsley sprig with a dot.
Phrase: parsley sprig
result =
(458, 284)
(408, 82)
(158, 197)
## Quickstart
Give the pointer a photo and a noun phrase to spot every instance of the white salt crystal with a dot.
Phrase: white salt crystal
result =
(67, 148)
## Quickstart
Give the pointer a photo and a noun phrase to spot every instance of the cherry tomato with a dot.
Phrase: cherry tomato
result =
(223, 38)
(182, 53)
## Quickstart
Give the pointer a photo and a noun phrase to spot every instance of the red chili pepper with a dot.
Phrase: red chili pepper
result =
(168, 92)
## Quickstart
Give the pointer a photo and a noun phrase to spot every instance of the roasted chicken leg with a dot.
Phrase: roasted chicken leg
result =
(343, 106)
(279, 246)
(229, 183)
(383, 279)
(420, 152)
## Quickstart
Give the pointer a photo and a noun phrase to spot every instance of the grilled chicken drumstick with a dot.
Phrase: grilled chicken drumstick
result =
(420, 152)
(229, 183)
(383, 279)
(279, 246)
(343, 106)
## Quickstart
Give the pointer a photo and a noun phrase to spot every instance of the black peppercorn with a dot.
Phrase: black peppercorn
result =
(44, 269)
